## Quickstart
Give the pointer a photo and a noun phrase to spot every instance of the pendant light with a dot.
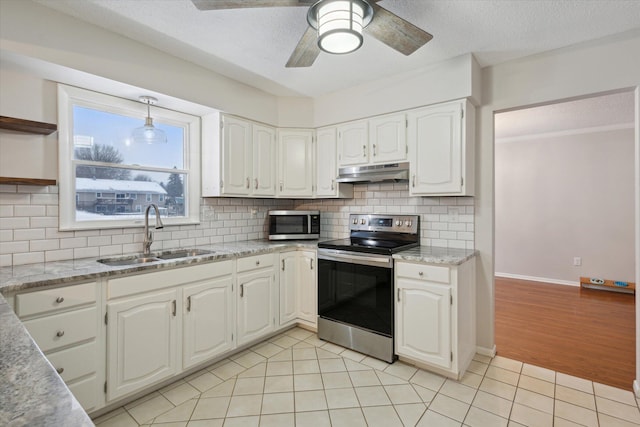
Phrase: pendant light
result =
(339, 24)
(148, 133)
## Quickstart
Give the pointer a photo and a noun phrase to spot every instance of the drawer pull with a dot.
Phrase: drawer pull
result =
(189, 303)
(174, 308)
(60, 300)
(312, 264)
(60, 334)
(257, 263)
(60, 370)
(241, 290)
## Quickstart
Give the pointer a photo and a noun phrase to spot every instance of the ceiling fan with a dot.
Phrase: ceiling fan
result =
(336, 26)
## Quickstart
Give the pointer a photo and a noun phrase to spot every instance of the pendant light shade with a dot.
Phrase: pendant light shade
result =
(340, 23)
(148, 133)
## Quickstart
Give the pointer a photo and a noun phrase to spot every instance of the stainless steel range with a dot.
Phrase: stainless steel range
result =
(355, 282)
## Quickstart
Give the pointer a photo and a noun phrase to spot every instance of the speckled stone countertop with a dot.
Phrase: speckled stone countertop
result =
(31, 392)
(436, 255)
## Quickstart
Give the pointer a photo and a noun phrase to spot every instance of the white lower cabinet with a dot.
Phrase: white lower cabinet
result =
(256, 297)
(298, 288)
(65, 323)
(142, 336)
(162, 323)
(435, 315)
(208, 320)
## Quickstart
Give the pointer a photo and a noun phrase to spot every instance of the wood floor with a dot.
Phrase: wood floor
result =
(581, 332)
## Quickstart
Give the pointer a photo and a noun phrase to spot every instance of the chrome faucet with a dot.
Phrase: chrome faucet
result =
(148, 235)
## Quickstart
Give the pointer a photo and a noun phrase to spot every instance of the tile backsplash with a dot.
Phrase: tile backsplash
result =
(29, 222)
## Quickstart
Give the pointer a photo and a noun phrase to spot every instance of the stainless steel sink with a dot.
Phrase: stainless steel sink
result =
(183, 253)
(118, 262)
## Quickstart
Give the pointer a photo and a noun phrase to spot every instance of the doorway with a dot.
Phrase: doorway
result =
(564, 209)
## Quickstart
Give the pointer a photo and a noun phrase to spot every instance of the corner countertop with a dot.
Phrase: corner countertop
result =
(31, 391)
(435, 255)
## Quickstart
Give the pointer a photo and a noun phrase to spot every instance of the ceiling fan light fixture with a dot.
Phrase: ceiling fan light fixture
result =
(339, 24)
(149, 134)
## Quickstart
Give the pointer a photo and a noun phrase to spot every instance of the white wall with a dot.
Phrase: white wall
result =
(562, 197)
(595, 67)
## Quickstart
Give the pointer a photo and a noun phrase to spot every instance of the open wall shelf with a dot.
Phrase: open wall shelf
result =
(29, 126)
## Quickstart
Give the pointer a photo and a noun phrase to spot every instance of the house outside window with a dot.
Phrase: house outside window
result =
(103, 171)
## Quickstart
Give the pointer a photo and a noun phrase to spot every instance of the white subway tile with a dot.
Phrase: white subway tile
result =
(74, 242)
(44, 222)
(7, 188)
(111, 232)
(86, 252)
(29, 210)
(99, 241)
(6, 211)
(58, 255)
(28, 258)
(459, 244)
(32, 189)
(465, 235)
(122, 239)
(14, 223)
(52, 210)
(184, 243)
(44, 245)
(44, 199)
(54, 233)
(130, 248)
(110, 250)
(29, 234)
(14, 199)
(6, 260)
(6, 235)
(14, 247)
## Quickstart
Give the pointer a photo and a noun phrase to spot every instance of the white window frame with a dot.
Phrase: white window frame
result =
(68, 96)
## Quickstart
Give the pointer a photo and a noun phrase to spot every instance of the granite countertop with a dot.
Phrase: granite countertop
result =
(436, 255)
(32, 393)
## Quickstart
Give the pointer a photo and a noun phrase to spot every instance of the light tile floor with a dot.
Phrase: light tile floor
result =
(295, 379)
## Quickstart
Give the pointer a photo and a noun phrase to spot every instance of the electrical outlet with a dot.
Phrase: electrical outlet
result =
(254, 213)
(577, 261)
(208, 213)
(454, 214)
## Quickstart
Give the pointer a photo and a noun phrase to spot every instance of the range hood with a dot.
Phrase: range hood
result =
(376, 173)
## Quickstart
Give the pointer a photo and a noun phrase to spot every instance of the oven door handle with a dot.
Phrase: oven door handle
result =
(355, 258)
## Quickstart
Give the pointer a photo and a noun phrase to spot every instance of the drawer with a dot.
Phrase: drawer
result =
(63, 329)
(55, 299)
(74, 362)
(430, 273)
(255, 262)
(86, 392)
(146, 282)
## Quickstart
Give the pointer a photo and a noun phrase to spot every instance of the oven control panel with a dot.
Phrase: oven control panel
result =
(381, 222)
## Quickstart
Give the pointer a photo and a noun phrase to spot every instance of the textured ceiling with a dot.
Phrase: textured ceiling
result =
(252, 45)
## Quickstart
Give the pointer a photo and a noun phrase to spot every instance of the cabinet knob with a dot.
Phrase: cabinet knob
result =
(420, 274)
(59, 300)
(257, 262)
(60, 370)
(60, 334)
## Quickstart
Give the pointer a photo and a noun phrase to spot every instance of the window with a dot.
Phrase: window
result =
(102, 170)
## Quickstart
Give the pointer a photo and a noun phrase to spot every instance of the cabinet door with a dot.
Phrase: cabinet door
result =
(264, 161)
(236, 156)
(388, 138)
(423, 322)
(326, 185)
(353, 143)
(307, 287)
(288, 285)
(295, 160)
(208, 320)
(435, 141)
(256, 316)
(142, 334)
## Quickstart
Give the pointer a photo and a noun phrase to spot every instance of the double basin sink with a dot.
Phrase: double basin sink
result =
(163, 256)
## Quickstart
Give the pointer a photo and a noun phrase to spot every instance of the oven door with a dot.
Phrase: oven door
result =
(356, 289)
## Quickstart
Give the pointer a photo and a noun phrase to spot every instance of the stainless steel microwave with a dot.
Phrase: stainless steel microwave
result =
(294, 225)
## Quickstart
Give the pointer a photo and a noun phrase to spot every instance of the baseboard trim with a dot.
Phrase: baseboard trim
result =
(491, 352)
(538, 279)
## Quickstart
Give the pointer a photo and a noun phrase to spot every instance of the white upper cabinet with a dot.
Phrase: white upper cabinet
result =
(238, 157)
(441, 149)
(295, 163)
(326, 166)
(388, 138)
(353, 143)
(377, 140)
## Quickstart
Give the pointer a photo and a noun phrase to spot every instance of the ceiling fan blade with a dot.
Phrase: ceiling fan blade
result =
(242, 4)
(396, 32)
(306, 51)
